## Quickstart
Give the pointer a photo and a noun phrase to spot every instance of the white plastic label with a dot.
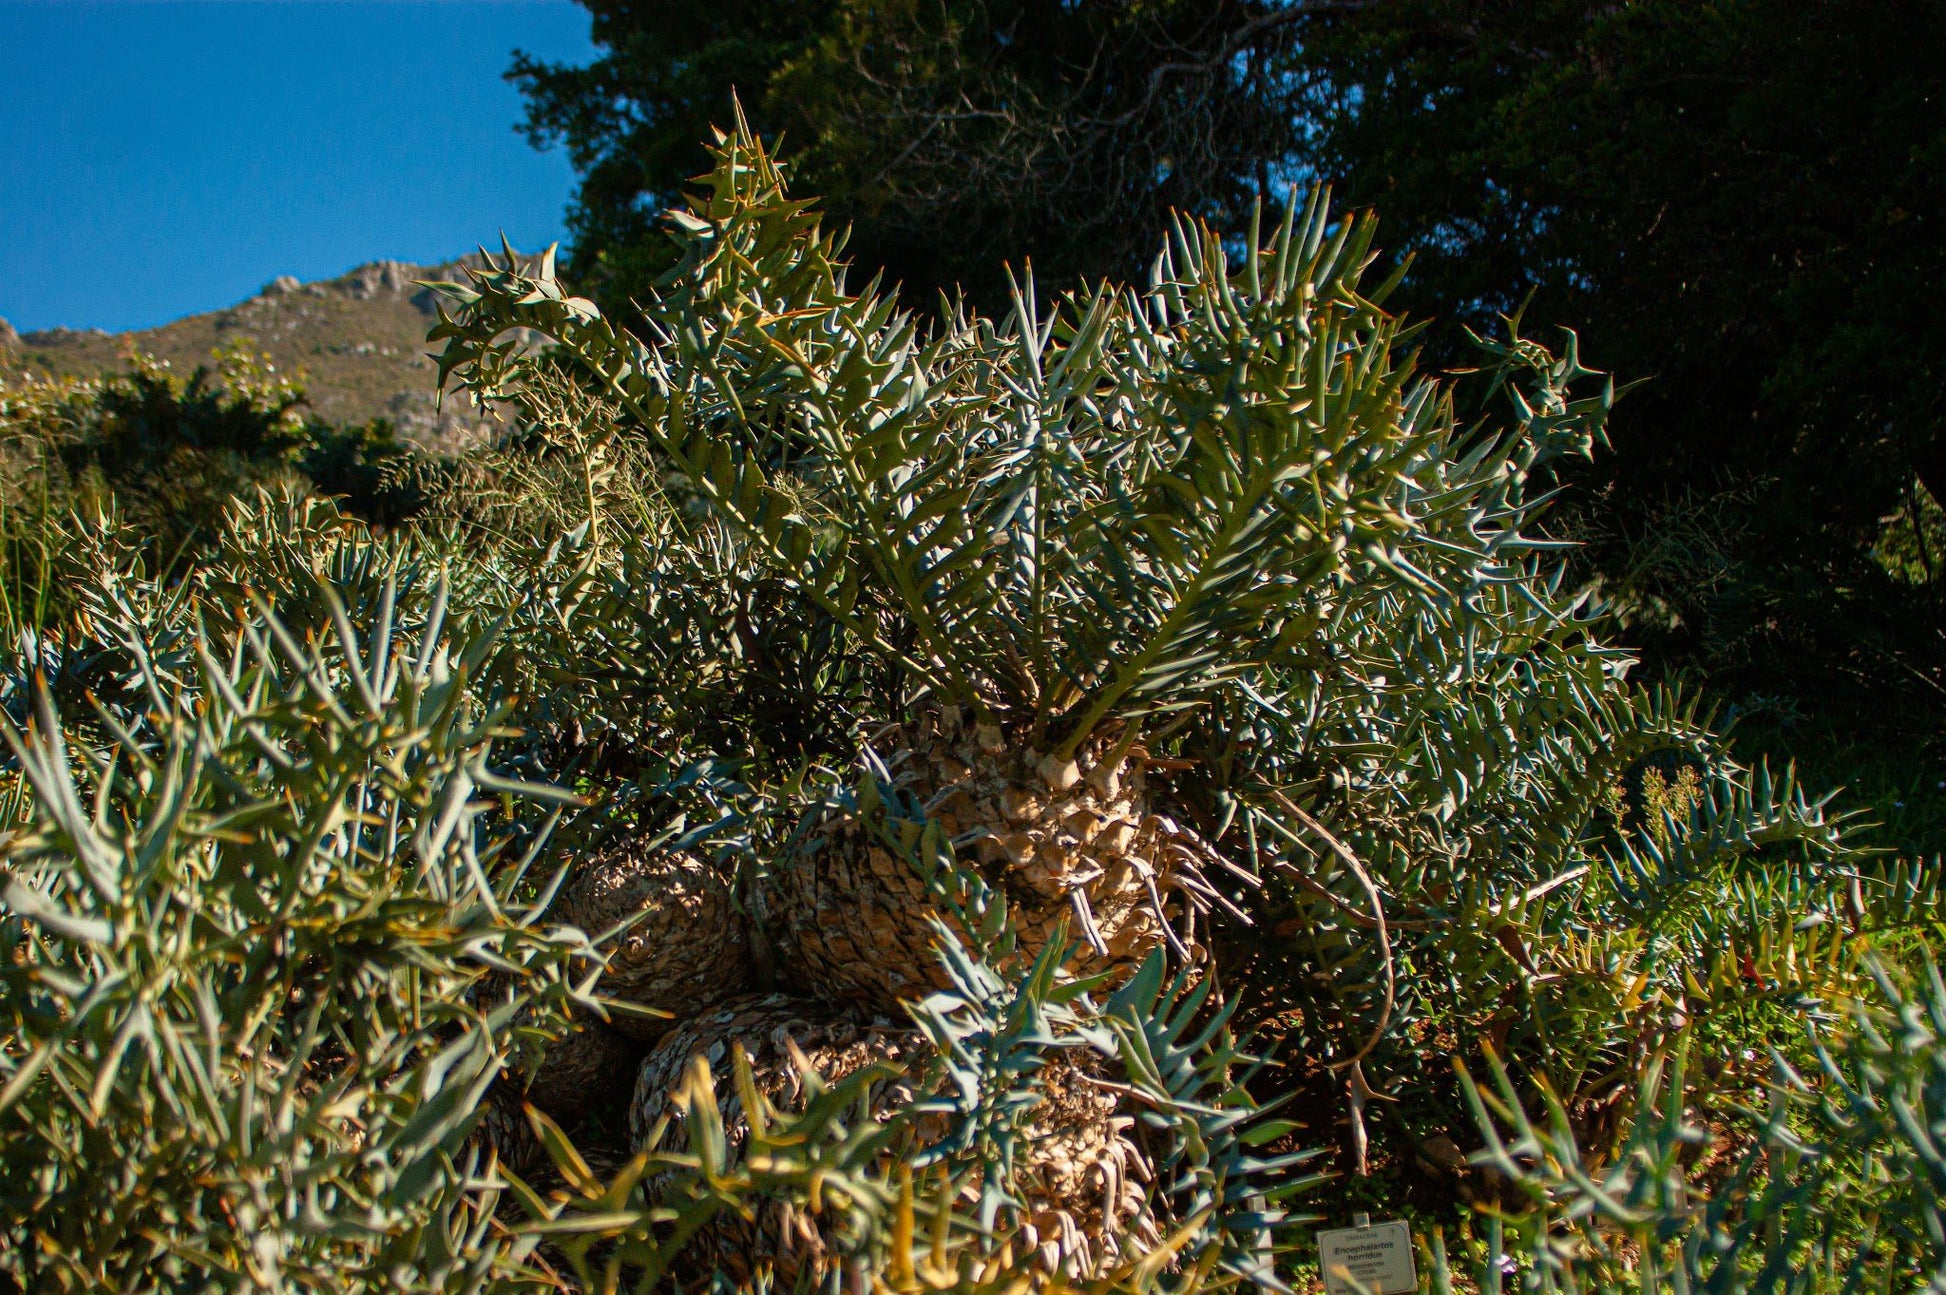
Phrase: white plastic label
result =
(1374, 1260)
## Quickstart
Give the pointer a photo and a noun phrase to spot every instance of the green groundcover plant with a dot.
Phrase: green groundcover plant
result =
(1136, 746)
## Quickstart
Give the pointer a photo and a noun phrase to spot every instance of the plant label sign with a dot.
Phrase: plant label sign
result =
(1375, 1259)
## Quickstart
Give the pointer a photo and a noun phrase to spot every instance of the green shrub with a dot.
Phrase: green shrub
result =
(173, 452)
(244, 927)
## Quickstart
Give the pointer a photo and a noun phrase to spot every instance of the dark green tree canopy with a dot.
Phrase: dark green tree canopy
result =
(1738, 200)
(952, 135)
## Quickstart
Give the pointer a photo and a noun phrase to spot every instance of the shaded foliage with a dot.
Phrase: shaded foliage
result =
(952, 135)
(1739, 202)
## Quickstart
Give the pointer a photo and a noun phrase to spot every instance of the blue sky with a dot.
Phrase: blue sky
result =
(164, 157)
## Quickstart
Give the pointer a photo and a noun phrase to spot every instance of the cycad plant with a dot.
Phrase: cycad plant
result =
(1194, 618)
(1062, 536)
(847, 796)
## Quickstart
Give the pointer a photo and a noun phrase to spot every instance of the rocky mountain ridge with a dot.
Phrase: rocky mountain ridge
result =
(357, 340)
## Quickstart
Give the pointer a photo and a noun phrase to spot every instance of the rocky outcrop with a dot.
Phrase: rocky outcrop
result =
(358, 340)
(394, 278)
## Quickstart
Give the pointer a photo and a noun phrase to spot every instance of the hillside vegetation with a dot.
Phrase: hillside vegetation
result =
(358, 342)
(1072, 798)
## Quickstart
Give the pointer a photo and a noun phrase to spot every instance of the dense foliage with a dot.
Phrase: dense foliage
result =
(1147, 728)
(1736, 201)
(950, 136)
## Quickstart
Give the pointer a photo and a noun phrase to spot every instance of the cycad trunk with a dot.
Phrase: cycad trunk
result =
(688, 947)
(1081, 843)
